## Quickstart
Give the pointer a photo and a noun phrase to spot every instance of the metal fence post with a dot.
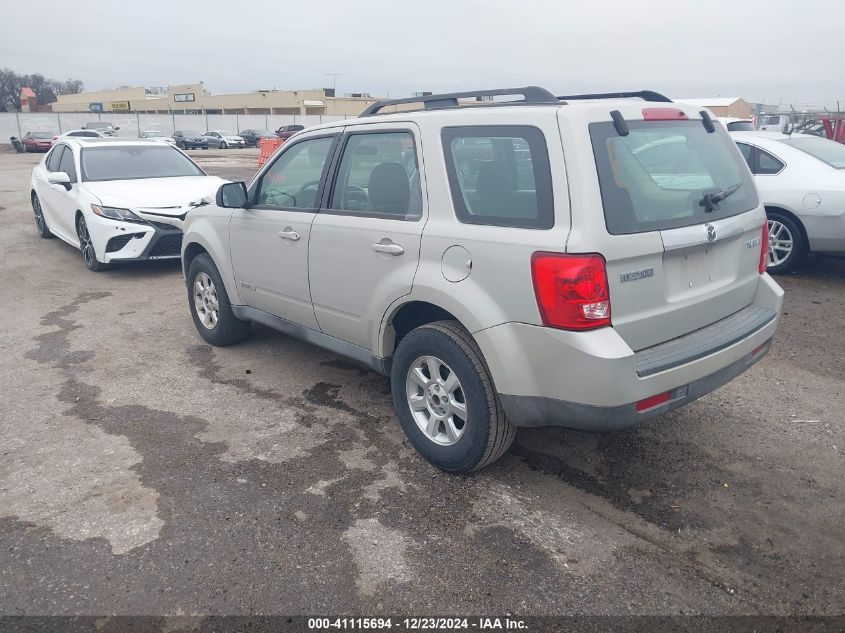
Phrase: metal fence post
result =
(237, 123)
(266, 122)
(59, 121)
(18, 120)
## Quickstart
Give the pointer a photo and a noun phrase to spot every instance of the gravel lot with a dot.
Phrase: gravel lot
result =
(144, 472)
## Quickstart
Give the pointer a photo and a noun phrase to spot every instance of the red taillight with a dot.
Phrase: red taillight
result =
(650, 403)
(764, 248)
(664, 114)
(572, 290)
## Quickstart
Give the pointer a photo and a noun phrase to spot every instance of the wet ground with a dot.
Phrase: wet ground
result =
(144, 472)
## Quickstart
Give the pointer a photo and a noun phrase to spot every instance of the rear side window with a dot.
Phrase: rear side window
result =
(767, 164)
(378, 175)
(668, 174)
(500, 176)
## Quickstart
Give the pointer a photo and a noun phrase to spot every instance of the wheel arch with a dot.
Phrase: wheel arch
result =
(195, 244)
(400, 319)
(792, 216)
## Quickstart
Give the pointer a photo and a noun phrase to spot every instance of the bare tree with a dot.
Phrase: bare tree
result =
(46, 90)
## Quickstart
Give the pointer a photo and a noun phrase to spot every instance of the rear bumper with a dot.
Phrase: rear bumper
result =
(592, 380)
(528, 411)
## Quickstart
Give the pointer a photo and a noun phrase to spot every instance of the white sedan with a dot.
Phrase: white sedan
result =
(116, 199)
(801, 179)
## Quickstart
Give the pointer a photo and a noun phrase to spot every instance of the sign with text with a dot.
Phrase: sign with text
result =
(184, 97)
(119, 105)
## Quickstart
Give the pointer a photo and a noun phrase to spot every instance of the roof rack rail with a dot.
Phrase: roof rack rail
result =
(530, 94)
(645, 95)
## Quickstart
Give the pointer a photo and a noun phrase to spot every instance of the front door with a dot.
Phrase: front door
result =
(365, 243)
(269, 239)
(58, 203)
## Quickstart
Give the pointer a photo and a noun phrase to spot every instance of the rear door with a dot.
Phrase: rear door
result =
(682, 227)
(365, 241)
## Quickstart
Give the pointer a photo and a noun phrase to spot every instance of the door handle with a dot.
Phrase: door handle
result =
(388, 247)
(289, 234)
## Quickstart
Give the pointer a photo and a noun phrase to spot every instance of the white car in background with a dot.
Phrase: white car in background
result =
(801, 179)
(79, 134)
(117, 199)
(733, 124)
(157, 135)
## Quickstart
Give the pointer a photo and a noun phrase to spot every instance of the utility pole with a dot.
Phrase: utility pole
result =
(334, 77)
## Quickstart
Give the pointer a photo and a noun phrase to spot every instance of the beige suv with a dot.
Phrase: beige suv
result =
(538, 261)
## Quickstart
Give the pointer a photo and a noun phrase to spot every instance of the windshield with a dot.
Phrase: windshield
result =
(135, 161)
(41, 134)
(152, 134)
(825, 150)
(741, 126)
(191, 133)
(98, 125)
(667, 174)
(223, 132)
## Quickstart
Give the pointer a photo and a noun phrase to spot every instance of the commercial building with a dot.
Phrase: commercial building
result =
(195, 99)
(734, 107)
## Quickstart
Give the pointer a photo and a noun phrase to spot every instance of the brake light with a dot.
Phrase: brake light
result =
(664, 114)
(764, 248)
(572, 290)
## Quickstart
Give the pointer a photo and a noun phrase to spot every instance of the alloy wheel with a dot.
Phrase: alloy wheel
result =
(781, 243)
(85, 243)
(436, 400)
(39, 215)
(206, 302)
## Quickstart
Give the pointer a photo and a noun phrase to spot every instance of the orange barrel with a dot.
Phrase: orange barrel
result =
(268, 146)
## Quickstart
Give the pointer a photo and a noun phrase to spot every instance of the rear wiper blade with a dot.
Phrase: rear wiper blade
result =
(710, 201)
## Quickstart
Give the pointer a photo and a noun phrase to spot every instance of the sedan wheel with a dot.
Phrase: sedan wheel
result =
(206, 302)
(786, 243)
(89, 255)
(40, 222)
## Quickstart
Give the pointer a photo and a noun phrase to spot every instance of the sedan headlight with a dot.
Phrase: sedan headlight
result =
(113, 213)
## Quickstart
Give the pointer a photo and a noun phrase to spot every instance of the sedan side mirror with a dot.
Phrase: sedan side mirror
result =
(59, 178)
(117, 128)
(232, 195)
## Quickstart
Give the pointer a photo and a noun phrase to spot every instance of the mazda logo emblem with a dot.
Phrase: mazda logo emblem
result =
(711, 233)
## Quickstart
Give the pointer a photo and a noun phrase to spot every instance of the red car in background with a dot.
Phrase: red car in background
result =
(38, 141)
(286, 131)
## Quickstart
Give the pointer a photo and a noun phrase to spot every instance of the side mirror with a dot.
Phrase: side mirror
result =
(232, 195)
(59, 178)
(117, 128)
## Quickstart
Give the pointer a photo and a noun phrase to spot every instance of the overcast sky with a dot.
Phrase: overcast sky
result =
(760, 50)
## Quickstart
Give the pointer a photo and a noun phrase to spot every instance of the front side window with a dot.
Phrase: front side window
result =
(825, 150)
(666, 174)
(54, 158)
(499, 175)
(134, 162)
(293, 180)
(379, 175)
(66, 164)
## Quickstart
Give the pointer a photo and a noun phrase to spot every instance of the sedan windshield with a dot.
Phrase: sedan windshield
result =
(134, 162)
(825, 150)
(191, 133)
(42, 135)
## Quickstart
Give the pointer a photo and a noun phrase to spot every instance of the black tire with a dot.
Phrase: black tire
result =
(487, 433)
(89, 255)
(40, 222)
(799, 246)
(228, 329)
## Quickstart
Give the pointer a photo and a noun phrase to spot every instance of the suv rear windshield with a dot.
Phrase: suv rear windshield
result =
(667, 174)
(825, 150)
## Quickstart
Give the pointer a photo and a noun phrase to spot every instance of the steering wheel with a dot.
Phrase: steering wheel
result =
(356, 198)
